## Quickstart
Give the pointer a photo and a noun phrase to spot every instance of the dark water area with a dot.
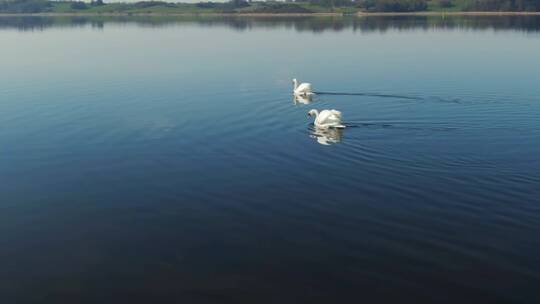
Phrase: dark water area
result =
(150, 160)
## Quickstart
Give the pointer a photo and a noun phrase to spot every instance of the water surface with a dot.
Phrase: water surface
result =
(164, 159)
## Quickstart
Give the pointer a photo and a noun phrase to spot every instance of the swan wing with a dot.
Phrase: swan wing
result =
(336, 113)
(304, 87)
(329, 118)
(326, 117)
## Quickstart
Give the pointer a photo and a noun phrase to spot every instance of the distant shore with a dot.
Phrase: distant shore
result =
(359, 14)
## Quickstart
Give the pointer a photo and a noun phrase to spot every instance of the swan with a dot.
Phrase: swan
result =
(327, 118)
(302, 89)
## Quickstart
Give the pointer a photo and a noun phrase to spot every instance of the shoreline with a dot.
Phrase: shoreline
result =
(329, 14)
(451, 14)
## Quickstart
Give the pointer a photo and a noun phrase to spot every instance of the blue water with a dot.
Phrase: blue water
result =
(165, 160)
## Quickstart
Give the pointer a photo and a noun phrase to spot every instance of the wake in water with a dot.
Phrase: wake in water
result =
(330, 136)
(400, 125)
(370, 95)
(395, 96)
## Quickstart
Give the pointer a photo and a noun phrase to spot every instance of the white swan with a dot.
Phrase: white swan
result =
(327, 118)
(302, 89)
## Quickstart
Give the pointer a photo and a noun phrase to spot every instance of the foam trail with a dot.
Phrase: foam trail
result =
(370, 94)
(400, 125)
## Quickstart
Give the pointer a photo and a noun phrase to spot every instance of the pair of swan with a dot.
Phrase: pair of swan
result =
(326, 118)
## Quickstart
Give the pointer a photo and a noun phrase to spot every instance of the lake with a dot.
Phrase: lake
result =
(164, 159)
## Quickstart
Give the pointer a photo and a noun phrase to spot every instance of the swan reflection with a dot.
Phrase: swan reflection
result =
(303, 99)
(326, 136)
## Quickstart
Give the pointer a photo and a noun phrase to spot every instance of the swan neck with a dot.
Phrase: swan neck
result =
(295, 83)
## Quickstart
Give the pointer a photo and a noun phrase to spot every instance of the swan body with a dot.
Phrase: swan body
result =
(302, 89)
(327, 119)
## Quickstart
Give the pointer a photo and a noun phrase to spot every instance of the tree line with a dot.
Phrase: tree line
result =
(25, 6)
(289, 6)
(422, 5)
(505, 5)
(40, 6)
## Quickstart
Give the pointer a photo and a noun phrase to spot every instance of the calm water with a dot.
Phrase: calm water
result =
(165, 160)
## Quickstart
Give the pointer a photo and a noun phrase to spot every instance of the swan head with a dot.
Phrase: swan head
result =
(313, 112)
